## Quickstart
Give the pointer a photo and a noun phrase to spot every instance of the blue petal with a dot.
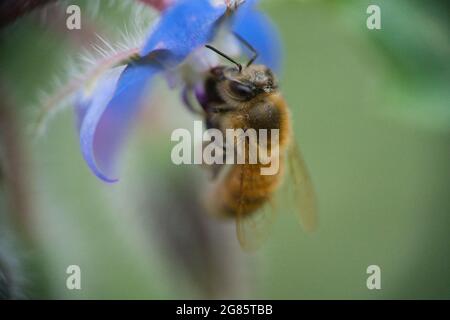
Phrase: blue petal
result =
(108, 113)
(185, 26)
(257, 29)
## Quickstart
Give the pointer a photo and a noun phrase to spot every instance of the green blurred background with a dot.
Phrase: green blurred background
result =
(371, 114)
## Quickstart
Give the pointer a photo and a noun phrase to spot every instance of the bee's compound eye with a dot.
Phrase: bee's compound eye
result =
(241, 90)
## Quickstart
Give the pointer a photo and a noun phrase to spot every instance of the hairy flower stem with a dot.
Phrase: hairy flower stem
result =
(20, 252)
(13, 169)
(75, 84)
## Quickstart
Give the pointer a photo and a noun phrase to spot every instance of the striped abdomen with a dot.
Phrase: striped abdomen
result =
(244, 190)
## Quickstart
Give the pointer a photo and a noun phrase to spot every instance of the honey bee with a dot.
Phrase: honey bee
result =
(243, 97)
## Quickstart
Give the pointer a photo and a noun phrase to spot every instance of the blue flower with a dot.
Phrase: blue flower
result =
(107, 111)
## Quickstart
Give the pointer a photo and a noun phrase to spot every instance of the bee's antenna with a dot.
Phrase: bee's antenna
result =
(249, 46)
(225, 56)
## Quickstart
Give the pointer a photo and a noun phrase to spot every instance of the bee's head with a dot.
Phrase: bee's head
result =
(245, 84)
(237, 84)
(250, 82)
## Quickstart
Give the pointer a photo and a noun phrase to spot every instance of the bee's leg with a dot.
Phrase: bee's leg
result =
(215, 168)
(218, 167)
(185, 97)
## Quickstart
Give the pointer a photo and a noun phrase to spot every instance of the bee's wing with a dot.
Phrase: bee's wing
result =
(253, 229)
(300, 189)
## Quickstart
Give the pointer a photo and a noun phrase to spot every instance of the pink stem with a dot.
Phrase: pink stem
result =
(159, 5)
